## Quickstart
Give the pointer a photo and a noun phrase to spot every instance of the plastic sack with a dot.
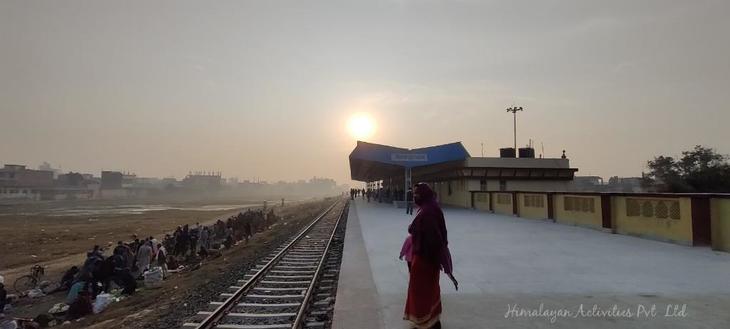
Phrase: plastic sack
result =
(8, 324)
(35, 293)
(59, 308)
(102, 302)
(153, 277)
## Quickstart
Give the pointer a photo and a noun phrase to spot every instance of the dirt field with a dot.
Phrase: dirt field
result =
(29, 240)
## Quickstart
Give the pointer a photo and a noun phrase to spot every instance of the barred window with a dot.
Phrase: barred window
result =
(633, 208)
(582, 204)
(534, 200)
(674, 210)
(503, 198)
(653, 208)
(647, 209)
(661, 210)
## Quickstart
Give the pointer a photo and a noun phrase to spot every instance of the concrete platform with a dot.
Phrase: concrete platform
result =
(522, 273)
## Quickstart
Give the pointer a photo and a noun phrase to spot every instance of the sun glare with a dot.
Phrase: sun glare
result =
(361, 126)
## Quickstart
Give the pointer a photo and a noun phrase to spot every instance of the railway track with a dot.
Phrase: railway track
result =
(293, 287)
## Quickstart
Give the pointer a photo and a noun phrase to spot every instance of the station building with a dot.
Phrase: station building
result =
(542, 189)
(455, 175)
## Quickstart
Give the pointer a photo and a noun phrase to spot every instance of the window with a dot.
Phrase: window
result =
(503, 185)
(534, 201)
(449, 186)
(582, 204)
(649, 208)
(481, 197)
(483, 185)
(661, 210)
(674, 210)
(503, 198)
(632, 208)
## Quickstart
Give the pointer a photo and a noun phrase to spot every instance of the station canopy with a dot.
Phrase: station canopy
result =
(371, 162)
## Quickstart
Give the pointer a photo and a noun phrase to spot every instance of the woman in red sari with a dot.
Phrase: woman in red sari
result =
(429, 255)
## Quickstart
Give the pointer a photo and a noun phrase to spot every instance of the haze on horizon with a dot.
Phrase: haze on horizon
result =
(265, 89)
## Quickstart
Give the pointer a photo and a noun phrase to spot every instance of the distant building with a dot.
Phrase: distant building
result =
(45, 166)
(626, 184)
(111, 180)
(19, 176)
(72, 179)
(148, 183)
(19, 183)
(203, 181)
(615, 184)
(129, 180)
(588, 184)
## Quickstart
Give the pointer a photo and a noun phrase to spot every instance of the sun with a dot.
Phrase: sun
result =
(361, 126)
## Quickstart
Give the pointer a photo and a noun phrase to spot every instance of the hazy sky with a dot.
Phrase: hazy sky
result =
(264, 88)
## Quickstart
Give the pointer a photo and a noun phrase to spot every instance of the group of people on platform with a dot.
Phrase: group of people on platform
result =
(385, 195)
(379, 194)
(130, 260)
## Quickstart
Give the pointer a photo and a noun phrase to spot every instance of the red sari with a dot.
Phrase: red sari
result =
(423, 304)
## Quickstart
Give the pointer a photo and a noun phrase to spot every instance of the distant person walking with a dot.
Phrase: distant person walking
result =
(430, 254)
(409, 201)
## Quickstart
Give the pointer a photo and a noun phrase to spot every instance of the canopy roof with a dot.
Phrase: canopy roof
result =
(371, 162)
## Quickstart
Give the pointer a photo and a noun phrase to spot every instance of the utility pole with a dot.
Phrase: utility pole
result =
(514, 110)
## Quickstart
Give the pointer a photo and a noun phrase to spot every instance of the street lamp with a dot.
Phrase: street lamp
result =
(514, 110)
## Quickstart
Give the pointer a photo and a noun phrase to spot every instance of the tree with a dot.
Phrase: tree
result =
(701, 169)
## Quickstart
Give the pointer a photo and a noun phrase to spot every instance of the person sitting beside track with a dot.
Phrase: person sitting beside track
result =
(80, 297)
(3, 295)
(122, 275)
(83, 283)
(68, 279)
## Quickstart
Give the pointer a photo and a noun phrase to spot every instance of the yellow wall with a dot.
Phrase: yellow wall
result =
(505, 209)
(460, 196)
(668, 229)
(580, 218)
(481, 205)
(720, 212)
(533, 211)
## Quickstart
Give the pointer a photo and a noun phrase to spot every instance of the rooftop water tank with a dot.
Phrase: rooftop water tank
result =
(507, 152)
(527, 152)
